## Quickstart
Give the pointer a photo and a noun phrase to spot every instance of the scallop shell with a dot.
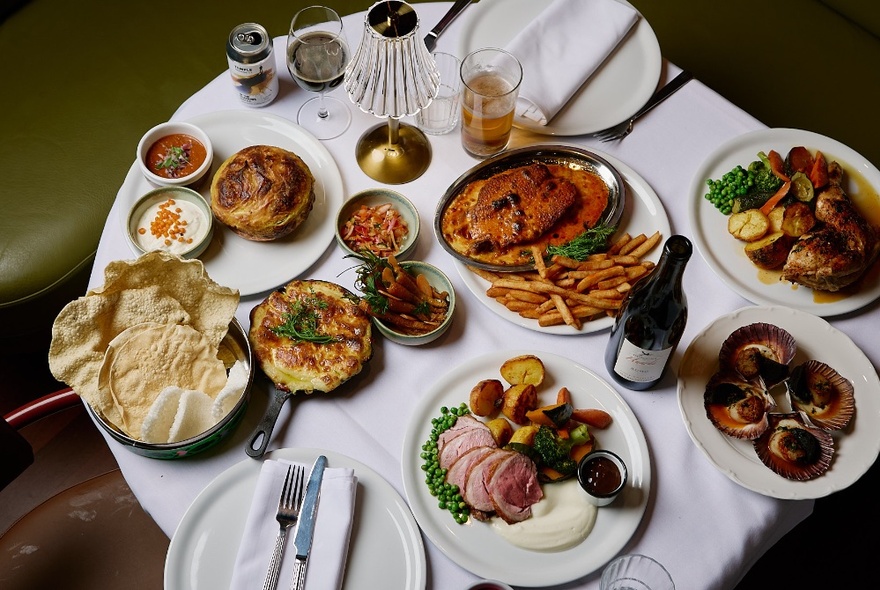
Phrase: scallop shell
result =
(736, 407)
(759, 350)
(794, 448)
(823, 394)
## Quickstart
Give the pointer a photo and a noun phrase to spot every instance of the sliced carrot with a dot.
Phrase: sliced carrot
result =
(592, 417)
(777, 166)
(578, 451)
(819, 172)
(777, 196)
(564, 396)
(800, 159)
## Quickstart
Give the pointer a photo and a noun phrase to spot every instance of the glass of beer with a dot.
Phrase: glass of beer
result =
(491, 78)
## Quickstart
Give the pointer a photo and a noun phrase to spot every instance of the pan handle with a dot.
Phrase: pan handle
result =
(259, 440)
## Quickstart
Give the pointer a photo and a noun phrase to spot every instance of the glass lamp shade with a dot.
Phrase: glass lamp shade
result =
(392, 75)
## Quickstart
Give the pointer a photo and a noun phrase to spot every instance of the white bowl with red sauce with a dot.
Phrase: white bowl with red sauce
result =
(175, 153)
(377, 208)
(602, 475)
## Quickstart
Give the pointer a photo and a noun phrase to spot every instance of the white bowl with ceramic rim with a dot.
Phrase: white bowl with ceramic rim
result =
(192, 180)
(374, 197)
(139, 217)
(441, 283)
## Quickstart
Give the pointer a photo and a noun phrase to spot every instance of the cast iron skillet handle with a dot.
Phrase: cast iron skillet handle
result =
(259, 440)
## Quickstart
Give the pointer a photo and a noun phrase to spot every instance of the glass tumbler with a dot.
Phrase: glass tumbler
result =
(441, 116)
(635, 572)
(491, 78)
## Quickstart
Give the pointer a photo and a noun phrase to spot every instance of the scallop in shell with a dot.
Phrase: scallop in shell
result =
(759, 350)
(794, 448)
(736, 407)
(823, 394)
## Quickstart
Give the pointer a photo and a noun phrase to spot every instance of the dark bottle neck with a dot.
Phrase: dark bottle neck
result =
(676, 252)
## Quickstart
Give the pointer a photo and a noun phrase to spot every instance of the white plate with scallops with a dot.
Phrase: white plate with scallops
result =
(256, 267)
(724, 254)
(855, 449)
(474, 545)
(643, 213)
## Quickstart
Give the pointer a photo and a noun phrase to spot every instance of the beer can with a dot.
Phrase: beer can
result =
(252, 65)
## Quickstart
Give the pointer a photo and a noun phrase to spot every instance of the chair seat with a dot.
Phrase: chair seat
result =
(92, 535)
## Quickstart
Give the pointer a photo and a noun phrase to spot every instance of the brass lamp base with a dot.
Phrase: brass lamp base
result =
(394, 153)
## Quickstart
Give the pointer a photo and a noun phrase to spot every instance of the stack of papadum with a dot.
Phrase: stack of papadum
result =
(145, 349)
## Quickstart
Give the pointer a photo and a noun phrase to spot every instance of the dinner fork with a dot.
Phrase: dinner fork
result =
(288, 511)
(623, 129)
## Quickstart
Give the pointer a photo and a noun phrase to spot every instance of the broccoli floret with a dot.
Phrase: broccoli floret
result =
(765, 180)
(554, 451)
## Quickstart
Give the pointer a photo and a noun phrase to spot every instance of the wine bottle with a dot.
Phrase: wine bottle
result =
(650, 321)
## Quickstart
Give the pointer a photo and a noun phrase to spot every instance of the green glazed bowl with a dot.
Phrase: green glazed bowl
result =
(439, 281)
(236, 341)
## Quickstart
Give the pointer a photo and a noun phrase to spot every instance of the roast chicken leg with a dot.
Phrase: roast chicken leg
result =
(838, 253)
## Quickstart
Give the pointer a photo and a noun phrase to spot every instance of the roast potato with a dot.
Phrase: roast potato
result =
(797, 219)
(776, 215)
(486, 397)
(501, 430)
(519, 399)
(522, 369)
(749, 225)
(524, 435)
(771, 251)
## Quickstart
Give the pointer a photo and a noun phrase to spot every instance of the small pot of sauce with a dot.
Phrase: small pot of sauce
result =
(602, 474)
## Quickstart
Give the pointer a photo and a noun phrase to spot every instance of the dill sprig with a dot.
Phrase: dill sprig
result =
(589, 242)
(301, 322)
(369, 280)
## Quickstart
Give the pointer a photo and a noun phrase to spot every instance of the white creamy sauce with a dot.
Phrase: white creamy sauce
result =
(185, 217)
(563, 518)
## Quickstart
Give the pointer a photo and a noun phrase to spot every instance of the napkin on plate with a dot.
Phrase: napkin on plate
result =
(562, 48)
(330, 542)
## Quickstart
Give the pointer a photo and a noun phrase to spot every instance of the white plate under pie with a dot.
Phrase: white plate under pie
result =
(256, 267)
(385, 551)
(474, 546)
(644, 213)
(725, 255)
(855, 450)
(616, 90)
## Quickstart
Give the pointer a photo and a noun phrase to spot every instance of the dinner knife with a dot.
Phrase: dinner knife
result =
(306, 527)
(457, 8)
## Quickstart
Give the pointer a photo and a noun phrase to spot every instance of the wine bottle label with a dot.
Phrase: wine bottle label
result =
(640, 365)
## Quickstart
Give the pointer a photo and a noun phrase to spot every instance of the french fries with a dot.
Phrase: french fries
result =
(572, 292)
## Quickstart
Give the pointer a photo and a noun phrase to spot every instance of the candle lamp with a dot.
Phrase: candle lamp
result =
(392, 75)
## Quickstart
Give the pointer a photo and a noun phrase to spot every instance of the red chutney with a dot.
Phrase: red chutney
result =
(175, 156)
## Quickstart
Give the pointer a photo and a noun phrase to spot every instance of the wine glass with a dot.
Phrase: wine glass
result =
(317, 54)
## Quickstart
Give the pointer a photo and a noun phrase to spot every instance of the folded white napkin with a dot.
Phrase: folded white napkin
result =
(330, 542)
(562, 48)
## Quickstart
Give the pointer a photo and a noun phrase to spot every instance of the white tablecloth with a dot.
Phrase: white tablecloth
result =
(704, 528)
